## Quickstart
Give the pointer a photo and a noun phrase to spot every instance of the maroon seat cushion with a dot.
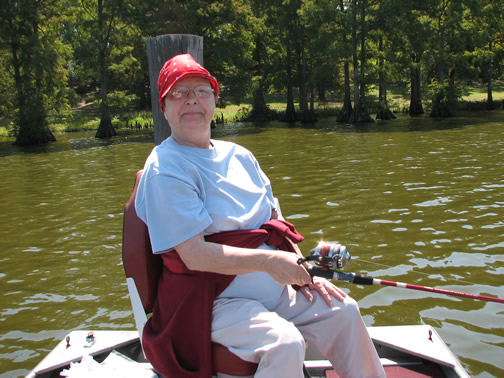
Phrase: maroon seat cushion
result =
(138, 260)
(145, 268)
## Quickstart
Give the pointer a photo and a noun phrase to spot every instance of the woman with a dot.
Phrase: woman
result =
(228, 262)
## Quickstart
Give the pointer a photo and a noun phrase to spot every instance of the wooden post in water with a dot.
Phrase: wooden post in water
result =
(159, 50)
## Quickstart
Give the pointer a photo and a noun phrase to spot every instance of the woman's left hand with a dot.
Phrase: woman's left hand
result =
(325, 288)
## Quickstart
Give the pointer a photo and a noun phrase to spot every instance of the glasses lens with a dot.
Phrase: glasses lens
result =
(183, 92)
(204, 91)
(180, 92)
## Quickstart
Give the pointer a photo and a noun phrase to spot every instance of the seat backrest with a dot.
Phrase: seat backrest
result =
(138, 260)
(144, 268)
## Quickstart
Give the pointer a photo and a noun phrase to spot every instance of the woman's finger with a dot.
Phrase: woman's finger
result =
(307, 293)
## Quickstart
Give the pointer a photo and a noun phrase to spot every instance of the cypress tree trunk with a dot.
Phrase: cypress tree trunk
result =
(312, 93)
(259, 104)
(347, 110)
(490, 103)
(362, 85)
(415, 107)
(441, 100)
(359, 115)
(347, 102)
(260, 110)
(384, 113)
(105, 130)
(290, 111)
(307, 115)
(440, 107)
(31, 124)
(33, 127)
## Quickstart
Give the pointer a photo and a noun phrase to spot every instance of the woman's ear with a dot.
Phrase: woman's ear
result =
(164, 108)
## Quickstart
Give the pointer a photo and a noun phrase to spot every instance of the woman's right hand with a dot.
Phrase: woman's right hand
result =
(204, 256)
(283, 267)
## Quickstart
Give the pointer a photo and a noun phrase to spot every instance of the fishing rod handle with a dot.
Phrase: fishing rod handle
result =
(316, 272)
(340, 276)
(366, 280)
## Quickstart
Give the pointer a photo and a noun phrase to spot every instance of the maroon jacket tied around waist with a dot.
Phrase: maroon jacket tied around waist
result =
(176, 339)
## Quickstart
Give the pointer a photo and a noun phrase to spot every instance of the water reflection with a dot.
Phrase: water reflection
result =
(422, 206)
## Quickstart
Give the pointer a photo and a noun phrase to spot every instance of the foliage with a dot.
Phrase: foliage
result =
(35, 62)
(444, 98)
(8, 92)
(295, 48)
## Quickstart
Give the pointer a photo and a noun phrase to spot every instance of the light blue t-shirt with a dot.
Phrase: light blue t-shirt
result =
(185, 190)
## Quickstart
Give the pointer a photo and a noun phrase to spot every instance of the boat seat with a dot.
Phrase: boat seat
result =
(143, 269)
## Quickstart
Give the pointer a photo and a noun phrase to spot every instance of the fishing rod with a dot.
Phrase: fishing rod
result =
(328, 256)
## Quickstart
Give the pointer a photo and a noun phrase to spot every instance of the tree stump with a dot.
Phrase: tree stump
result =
(346, 111)
(290, 113)
(308, 116)
(159, 50)
(359, 115)
(415, 108)
(385, 114)
(105, 129)
(440, 108)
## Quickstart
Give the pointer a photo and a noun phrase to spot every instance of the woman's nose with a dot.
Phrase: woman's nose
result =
(191, 96)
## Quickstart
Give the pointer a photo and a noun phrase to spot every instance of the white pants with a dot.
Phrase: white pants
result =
(275, 339)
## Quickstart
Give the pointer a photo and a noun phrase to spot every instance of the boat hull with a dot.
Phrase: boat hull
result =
(404, 351)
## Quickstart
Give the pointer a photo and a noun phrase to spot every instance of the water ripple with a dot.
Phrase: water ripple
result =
(423, 206)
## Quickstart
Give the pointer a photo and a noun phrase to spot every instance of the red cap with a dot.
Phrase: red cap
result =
(178, 68)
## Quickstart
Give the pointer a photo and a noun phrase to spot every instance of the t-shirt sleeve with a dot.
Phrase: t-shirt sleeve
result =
(172, 209)
(267, 184)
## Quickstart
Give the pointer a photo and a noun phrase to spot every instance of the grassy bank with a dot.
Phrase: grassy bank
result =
(87, 116)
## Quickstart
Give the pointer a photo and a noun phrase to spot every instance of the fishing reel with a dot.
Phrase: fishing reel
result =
(328, 256)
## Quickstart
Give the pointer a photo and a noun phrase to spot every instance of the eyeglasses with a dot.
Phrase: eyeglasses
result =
(201, 91)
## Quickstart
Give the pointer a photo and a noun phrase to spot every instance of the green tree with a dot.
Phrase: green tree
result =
(104, 38)
(415, 31)
(326, 22)
(308, 46)
(485, 30)
(285, 21)
(33, 64)
(52, 50)
(229, 45)
(380, 30)
(263, 39)
(446, 18)
(8, 92)
(409, 34)
(104, 20)
(347, 102)
(359, 8)
(227, 27)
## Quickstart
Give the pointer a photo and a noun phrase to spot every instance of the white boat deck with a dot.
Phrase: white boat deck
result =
(62, 355)
(396, 346)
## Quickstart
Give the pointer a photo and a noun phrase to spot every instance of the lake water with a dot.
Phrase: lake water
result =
(414, 200)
